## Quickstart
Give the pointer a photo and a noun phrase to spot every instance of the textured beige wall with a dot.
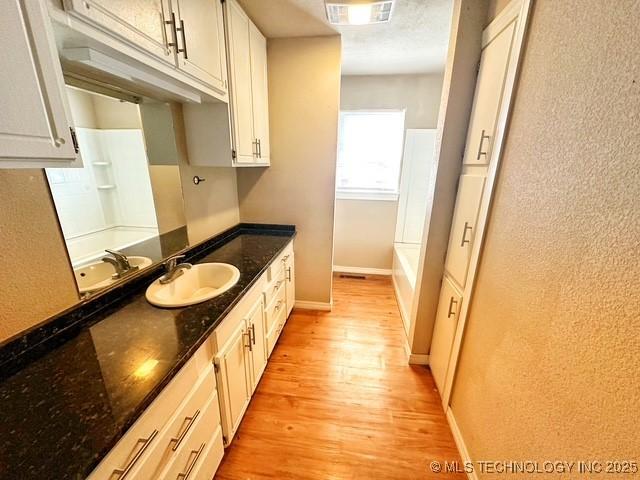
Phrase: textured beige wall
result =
(299, 187)
(455, 108)
(212, 206)
(364, 233)
(365, 230)
(550, 359)
(36, 280)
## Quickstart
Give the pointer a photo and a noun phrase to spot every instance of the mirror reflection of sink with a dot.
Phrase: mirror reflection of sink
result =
(198, 284)
(98, 275)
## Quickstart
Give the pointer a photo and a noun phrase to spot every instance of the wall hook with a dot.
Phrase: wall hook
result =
(197, 180)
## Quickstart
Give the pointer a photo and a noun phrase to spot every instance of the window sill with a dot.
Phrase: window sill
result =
(379, 197)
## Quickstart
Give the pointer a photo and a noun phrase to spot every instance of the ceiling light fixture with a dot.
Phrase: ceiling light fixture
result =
(358, 12)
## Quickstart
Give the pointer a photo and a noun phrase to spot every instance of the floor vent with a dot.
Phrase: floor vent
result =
(353, 276)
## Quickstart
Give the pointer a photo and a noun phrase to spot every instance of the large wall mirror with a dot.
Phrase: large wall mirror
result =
(123, 211)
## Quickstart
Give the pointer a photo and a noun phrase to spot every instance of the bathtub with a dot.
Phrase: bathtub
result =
(405, 270)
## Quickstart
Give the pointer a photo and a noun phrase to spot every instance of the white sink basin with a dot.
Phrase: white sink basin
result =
(198, 284)
(97, 275)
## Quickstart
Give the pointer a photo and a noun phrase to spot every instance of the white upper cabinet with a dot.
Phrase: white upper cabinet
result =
(185, 36)
(260, 93)
(34, 123)
(241, 98)
(489, 87)
(199, 40)
(143, 23)
(248, 88)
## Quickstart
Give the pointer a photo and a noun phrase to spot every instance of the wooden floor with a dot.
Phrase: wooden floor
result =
(339, 401)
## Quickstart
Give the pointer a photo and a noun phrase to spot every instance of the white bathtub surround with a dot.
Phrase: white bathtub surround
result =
(109, 202)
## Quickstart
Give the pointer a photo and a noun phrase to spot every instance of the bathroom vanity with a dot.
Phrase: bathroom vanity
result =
(117, 388)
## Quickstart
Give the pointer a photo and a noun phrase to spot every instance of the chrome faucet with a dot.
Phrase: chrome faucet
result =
(174, 269)
(120, 263)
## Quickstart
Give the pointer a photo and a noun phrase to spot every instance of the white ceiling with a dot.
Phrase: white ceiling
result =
(414, 41)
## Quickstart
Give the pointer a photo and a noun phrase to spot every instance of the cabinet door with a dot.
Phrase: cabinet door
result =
(259, 87)
(255, 321)
(444, 331)
(234, 380)
(142, 23)
(240, 78)
(464, 226)
(486, 101)
(34, 126)
(200, 41)
(290, 282)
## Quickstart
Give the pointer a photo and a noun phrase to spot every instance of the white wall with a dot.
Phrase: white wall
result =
(365, 229)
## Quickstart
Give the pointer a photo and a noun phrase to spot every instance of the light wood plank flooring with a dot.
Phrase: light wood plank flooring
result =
(339, 401)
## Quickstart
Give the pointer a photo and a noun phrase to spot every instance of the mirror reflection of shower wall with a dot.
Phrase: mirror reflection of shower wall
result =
(129, 188)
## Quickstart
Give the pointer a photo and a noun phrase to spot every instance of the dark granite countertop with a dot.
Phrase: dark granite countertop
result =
(68, 403)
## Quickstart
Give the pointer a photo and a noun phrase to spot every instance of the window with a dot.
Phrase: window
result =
(369, 154)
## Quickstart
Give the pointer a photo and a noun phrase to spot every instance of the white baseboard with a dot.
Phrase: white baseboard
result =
(418, 359)
(415, 358)
(362, 270)
(322, 306)
(462, 447)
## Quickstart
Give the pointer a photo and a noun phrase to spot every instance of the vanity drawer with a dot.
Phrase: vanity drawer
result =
(275, 308)
(202, 445)
(133, 450)
(273, 287)
(274, 333)
(180, 425)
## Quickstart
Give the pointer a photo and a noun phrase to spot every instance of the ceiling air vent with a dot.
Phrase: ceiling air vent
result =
(358, 12)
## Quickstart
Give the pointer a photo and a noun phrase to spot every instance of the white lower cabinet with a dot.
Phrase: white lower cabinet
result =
(444, 331)
(184, 431)
(257, 347)
(234, 382)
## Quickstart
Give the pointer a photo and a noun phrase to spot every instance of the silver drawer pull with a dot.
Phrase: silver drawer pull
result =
(482, 138)
(285, 258)
(178, 440)
(184, 475)
(123, 472)
(451, 311)
(289, 274)
(464, 234)
(277, 307)
(248, 335)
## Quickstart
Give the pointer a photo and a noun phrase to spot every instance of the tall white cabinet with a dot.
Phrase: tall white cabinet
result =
(495, 63)
(249, 92)
(35, 126)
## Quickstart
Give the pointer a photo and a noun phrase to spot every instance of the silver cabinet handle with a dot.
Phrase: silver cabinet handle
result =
(289, 274)
(123, 472)
(464, 234)
(174, 33)
(253, 333)
(249, 345)
(482, 138)
(184, 40)
(255, 150)
(184, 475)
(277, 307)
(178, 440)
(259, 149)
(277, 285)
(451, 303)
(285, 258)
